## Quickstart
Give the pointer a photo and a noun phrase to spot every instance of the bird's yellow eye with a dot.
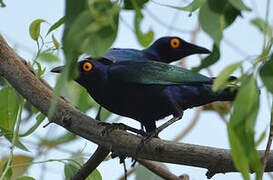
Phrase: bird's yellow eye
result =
(87, 66)
(175, 43)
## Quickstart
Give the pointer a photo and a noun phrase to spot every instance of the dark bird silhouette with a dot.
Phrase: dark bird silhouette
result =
(165, 49)
(147, 91)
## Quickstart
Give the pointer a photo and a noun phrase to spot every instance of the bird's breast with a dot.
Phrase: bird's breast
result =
(136, 101)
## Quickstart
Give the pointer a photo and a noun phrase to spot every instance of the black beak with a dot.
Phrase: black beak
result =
(57, 69)
(194, 49)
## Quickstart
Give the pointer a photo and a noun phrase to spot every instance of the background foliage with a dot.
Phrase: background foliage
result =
(90, 28)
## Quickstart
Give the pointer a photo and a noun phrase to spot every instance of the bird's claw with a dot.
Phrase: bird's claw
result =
(146, 139)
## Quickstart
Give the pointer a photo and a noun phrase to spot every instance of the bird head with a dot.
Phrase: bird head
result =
(90, 71)
(169, 49)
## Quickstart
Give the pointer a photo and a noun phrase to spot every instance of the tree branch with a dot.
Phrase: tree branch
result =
(92, 163)
(160, 171)
(216, 160)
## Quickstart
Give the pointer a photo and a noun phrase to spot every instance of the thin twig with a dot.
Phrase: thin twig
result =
(158, 170)
(269, 141)
(92, 163)
(131, 171)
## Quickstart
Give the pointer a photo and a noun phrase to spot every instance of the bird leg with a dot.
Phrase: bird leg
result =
(166, 124)
(157, 131)
(98, 114)
(110, 127)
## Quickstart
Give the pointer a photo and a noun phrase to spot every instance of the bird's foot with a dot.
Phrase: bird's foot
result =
(110, 127)
(146, 139)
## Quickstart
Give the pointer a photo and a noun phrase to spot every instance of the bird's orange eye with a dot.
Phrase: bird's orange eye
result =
(175, 43)
(87, 66)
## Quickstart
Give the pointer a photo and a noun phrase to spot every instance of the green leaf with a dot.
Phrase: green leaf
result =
(212, 10)
(221, 14)
(56, 25)
(56, 42)
(24, 178)
(17, 143)
(143, 38)
(18, 159)
(94, 30)
(9, 106)
(70, 169)
(20, 145)
(134, 4)
(229, 15)
(61, 83)
(35, 110)
(48, 57)
(72, 11)
(34, 29)
(39, 71)
(263, 26)
(261, 138)
(194, 5)
(20, 170)
(2, 4)
(239, 158)
(79, 97)
(238, 4)
(40, 118)
(242, 124)
(209, 60)
(221, 80)
(104, 114)
(4, 165)
(95, 175)
(266, 73)
(142, 173)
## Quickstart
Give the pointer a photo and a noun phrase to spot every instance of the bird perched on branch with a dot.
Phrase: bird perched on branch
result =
(165, 49)
(146, 91)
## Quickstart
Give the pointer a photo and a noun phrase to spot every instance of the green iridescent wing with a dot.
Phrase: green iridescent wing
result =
(152, 72)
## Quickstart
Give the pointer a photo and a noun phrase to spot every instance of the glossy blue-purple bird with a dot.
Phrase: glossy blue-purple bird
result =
(146, 91)
(165, 49)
